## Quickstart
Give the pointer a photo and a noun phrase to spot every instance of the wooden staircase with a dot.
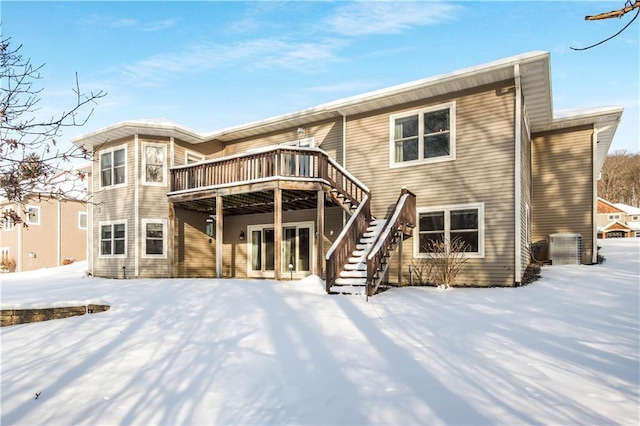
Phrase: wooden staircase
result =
(360, 257)
(353, 276)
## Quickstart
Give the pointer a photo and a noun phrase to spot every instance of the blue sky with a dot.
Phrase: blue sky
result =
(212, 65)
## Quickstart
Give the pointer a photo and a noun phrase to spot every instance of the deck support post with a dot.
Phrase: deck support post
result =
(171, 238)
(277, 232)
(400, 237)
(320, 235)
(219, 236)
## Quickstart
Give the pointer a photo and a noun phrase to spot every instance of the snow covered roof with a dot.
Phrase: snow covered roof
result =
(532, 67)
(628, 209)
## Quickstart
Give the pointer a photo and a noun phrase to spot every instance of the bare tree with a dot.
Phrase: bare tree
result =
(619, 13)
(620, 178)
(31, 158)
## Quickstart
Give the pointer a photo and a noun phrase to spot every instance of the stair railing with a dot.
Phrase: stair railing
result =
(343, 247)
(402, 220)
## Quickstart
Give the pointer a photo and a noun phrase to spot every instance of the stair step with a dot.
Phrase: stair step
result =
(347, 289)
(351, 281)
(353, 274)
(357, 265)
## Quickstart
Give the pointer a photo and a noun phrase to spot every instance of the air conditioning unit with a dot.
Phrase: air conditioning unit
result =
(565, 249)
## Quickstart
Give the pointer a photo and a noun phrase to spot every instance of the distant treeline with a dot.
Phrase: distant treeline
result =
(620, 179)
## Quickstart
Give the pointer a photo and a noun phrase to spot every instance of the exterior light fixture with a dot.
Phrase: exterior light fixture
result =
(241, 235)
(208, 229)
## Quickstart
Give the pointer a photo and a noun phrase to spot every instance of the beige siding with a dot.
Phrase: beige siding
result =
(562, 185)
(210, 149)
(114, 204)
(328, 137)
(483, 172)
(195, 251)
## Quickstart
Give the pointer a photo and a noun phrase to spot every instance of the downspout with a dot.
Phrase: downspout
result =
(594, 204)
(518, 177)
(90, 225)
(136, 206)
(19, 267)
(59, 231)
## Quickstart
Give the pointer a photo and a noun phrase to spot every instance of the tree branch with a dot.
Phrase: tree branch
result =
(614, 13)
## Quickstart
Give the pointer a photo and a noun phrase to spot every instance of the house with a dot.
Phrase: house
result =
(617, 220)
(632, 217)
(53, 229)
(476, 154)
(611, 221)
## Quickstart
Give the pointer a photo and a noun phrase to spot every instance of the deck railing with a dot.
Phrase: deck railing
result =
(402, 220)
(294, 163)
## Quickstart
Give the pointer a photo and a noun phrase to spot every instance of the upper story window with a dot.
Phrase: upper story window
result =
(113, 167)
(154, 157)
(449, 223)
(33, 215)
(614, 216)
(635, 218)
(192, 157)
(8, 220)
(423, 136)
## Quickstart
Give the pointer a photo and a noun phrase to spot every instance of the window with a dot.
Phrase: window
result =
(8, 221)
(82, 220)
(615, 216)
(113, 239)
(33, 215)
(154, 242)
(113, 168)
(635, 218)
(154, 161)
(194, 176)
(445, 224)
(192, 157)
(423, 136)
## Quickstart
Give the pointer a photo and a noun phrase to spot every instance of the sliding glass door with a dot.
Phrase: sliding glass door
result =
(297, 249)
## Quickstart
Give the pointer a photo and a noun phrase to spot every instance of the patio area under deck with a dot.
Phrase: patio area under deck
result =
(277, 180)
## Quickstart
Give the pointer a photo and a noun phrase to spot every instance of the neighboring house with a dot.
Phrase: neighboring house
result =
(631, 217)
(480, 151)
(611, 221)
(55, 231)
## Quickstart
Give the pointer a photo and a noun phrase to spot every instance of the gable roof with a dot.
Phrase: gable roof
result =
(532, 67)
(628, 209)
(605, 207)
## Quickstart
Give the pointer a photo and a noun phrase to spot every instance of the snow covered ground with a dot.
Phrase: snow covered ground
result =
(564, 350)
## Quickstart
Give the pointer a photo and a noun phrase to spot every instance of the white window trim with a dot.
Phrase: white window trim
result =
(144, 164)
(420, 112)
(8, 223)
(80, 214)
(446, 209)
(144, 223)
(270, 274)
(126, 167)
(188, 153)
(614, 216)
(38, 210)
(126, 239)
